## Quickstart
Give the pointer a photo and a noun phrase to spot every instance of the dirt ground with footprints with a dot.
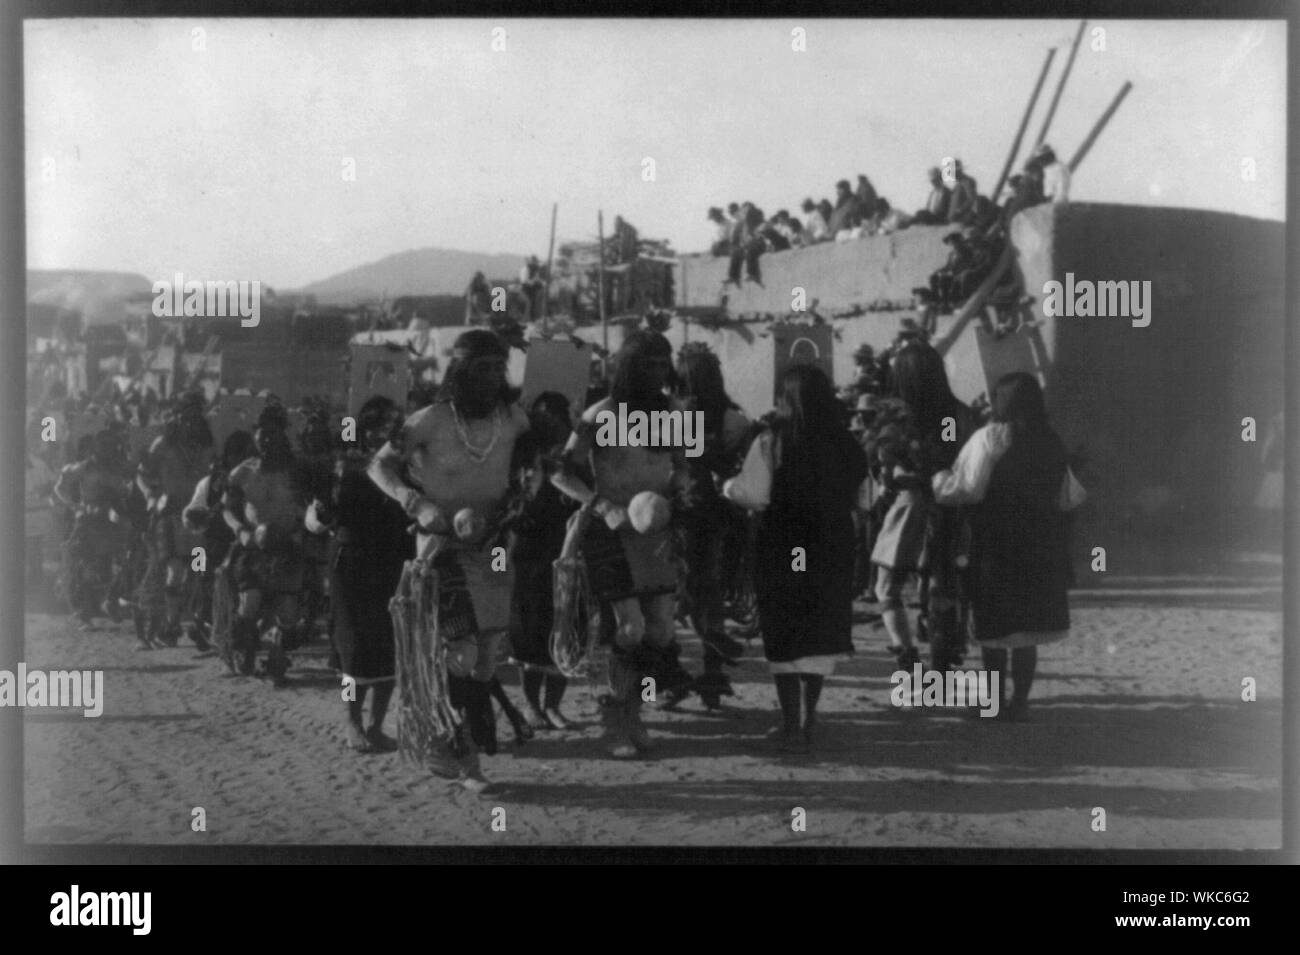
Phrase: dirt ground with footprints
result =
(1139, 712)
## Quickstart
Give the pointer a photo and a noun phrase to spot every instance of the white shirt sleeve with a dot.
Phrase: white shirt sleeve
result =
(313, 522)
(200, 498)
(752, 487)
(1056, 183)
(969, 477)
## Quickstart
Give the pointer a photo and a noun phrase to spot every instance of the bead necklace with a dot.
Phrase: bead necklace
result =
(477, 455)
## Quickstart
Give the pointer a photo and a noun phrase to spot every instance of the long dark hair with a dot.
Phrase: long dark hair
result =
(1018, 401)
(812, 440)
(627, 386)
(1037, 452)
(699, 377)
(550, 420)
(921, 381)
(238, 447)
(816, 415)
(374, 414)
(455, 385)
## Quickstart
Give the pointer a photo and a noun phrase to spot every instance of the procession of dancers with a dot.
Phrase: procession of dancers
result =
(466, 531)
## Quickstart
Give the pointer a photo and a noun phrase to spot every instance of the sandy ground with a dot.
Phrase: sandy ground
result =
(1139, 712)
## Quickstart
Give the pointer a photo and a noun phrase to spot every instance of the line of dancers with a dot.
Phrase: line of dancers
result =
(488, 495)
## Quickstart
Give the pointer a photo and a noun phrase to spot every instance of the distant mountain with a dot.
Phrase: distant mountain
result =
(99, 296)
(417, 272)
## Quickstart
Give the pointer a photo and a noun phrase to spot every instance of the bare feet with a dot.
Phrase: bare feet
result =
(357, 740)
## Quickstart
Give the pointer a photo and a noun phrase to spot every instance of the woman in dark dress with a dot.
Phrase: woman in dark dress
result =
(1015, 469)
(372, 545)
(537, 538)
(804, 551)
(708, 519)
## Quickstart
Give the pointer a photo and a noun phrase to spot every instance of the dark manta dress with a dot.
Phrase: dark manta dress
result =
(1020, 548)
(373, 546)
(809, 612)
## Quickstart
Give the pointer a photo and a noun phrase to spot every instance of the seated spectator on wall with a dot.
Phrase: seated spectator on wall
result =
(798, 239)
(815, 225)
(782, 222)
(1056, 176)
(826, 210)
(943, 281)
(866, 195)
(936, 205)
(961, 209)
(985, 214)
(734, 223)
(721, 232)
(984, 254)
(1026, 191)
(889, 219)
(773, 236)
(845, 215)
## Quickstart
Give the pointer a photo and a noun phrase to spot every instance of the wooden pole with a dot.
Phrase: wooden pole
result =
(604, 324)
(1060, 86)
(550, 260)
(1024, 121)
(1101, 124)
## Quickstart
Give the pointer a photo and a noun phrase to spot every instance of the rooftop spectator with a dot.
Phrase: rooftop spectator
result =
(825, 208)
(781, 222)
(1026, 190)
(798, 238)
(747, 245)
(961, 209)
(887, 218)
(936, 205)
(721, 232)
(737, 216)
(943, 281)
(773, 236)
(866, 195)
(816, 228)
(985, 214)
(845, 215)
(1056, 176)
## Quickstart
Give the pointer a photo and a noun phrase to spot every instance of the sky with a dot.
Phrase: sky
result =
(222, 154)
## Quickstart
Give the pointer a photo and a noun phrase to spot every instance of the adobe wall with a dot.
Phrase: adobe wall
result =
(838, 274)
(1158, 410)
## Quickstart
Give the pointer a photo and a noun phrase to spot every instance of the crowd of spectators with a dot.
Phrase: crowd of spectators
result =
(743, 232)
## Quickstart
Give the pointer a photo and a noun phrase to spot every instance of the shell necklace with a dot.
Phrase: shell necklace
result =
(476, 454)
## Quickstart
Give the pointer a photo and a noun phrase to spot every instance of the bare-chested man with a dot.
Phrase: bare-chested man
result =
(176, 461)
(634, 572)
(450, 467)
(265, 505)
(95, 488)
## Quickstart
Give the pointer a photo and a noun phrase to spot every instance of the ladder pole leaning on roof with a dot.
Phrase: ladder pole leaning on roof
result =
(550, 260)
(1060, 86)
(975, 304)
(1024, 121)
(1100, 125)
(600, 288)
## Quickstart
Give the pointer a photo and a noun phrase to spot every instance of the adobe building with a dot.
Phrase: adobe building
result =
(1154, 413)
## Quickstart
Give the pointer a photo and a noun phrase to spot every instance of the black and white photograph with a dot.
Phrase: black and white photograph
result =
(618, 433)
